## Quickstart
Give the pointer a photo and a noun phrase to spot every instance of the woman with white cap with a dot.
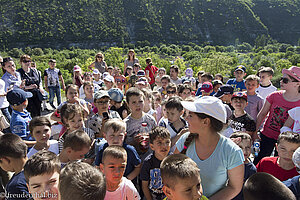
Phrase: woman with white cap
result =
(277, 105)
(219, 159)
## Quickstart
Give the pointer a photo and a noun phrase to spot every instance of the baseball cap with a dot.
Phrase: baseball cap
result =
(141, 81)
(96, 71)
(116, 94)
(141, 73)
(215, 82)
(293, 72)
(100, 94)
(242, 95)
(76, 68)
(208, 105)
(241, 68)
(109, 78)
(17, 96)
(52, 60)
(224, 89)
(296, 158)
(105, 74)
(206, 87)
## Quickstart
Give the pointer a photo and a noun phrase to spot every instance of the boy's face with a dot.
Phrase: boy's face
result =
(245, 145)
(5, 164)
(72, 94)
(113, 169)
(102, 104)
(89, 89)
(238, 103)
(110, 71)
(136, 104)
(52, 65)
(188, 188)
(264, 77)
(173, 73)
(44, 186)
(76, 122)
(239, 75)
(115, 138)
(171, 92)
(76, 155)
(87, 78)
(96, 77)
(116, 104)
(41, 133)
(161, 147)
(251, 86)
(173, 114)
(226, 98)
(285, 150)
(164, 83)
(136, 69)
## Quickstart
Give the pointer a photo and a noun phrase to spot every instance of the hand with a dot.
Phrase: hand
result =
(64, 87)
(77, 100)
(47, 89)
(34, 86)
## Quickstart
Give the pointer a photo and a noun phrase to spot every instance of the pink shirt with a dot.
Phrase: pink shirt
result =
(278, 114)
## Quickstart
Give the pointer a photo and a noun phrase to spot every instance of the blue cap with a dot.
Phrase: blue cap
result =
(224, 89)
(116, 94)
(17, 96)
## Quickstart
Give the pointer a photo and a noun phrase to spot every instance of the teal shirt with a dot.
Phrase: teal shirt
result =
(213, 170)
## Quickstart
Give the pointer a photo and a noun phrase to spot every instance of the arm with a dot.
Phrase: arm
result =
(91, 66)
(46, 83)
(54, 117)
(287, 125)
(62, 82)
(125, 67)
(235, 184)
(29, 143)
(146, 190)
(135, 172)
(262, 114)
(105, 67)
(176, 138)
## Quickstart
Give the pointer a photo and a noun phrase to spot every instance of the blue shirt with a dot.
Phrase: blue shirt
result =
(16, 188)
(213, 170)
(11, 80)
(238, 86)
(19, 124)
(294, 185)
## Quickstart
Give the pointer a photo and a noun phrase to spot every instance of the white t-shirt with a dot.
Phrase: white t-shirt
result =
(295, 115)
(126, 190)
(3, 101)
(53, 148)
(265, 91)
(177, 82)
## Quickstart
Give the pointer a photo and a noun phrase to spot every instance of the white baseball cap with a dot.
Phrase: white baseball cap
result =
(208, 105)
(96, 71)
(296, 158)
(109, 78)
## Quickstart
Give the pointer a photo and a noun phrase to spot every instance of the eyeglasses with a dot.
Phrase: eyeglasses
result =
(171, 92)
(286, 80)
(26, 61)
(101, 102)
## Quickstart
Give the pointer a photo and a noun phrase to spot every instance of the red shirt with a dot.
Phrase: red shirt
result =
(151, 69)
(270, 165)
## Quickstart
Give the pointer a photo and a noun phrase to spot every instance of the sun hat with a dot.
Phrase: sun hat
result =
(76, 68)
(189, 72)
(96, 71)
(116, 94)
(242, 95)
(293, 72)
(296, 158)
(206, 87)
(109, 78)
(224, 89)
(240, 68)
(208, 105)
(17, 96)
(100, 94)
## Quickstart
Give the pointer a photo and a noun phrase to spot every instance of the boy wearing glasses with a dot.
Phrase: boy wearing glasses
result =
(52, 75)
(101, 101)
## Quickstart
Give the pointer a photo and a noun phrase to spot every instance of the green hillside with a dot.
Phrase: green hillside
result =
(97, 23)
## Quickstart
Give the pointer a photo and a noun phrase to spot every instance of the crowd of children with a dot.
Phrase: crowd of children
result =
(144, 134)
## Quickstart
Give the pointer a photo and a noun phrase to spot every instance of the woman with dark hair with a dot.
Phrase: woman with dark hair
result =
(99, 63)
(219, 159)
(130, 61)
(32, 84)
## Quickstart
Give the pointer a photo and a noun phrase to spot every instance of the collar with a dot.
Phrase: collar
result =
(183, 121)
(23, 114)
(265, 86)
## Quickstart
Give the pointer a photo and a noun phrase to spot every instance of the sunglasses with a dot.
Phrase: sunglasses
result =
(101, 102)
(171, 92)
(286, 80)
(26, 61)
(99, 57)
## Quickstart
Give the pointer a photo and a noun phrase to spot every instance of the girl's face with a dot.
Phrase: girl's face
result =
(88, 78)
(89, 90)
(287, 83)
(99, 57)
(75, 123)
(131, 53)
(41, 133)
(161, 73)
(10, 67)
(72, 94)
(194, 122)
(186, 93)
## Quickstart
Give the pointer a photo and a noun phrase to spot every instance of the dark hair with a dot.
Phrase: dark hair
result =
(264, 186)
(39, 121)
(221, 76)
(79, 180)
(208, 76)
(149, 61)
(175, 67)
(5, 60)
(42, 162)
(174, 102)
(172, 86)
(77, 140)
(200, 73)
(11, 145)
(114, 151)
(71, 86)
(68, 112)
(289, 136)
(182, 87)
(133, 91)
(167, 77)
(131, 50)
(216, 126)
(87, 74)
(159, 131)
(268, 70)
(242, 135)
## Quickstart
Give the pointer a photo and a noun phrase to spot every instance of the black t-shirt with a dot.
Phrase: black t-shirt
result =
(242, 123)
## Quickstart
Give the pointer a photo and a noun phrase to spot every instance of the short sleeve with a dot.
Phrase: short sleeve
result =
(131, 191)
(145, 171)
(292, 112)
(270, 98)
(180, 142)
(235, 156)
(45, 73)
(134, 155)
(251, 126)
(19, 128)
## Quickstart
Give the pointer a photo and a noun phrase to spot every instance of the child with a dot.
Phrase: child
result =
(134, 121)
(238, 83)
(160, 143)
(88, 88)
(189, 77)
(205, 90)
(198, 80)
(52, 75)
(110, 70)
(293, 120)
(113, 166)
(40, 129)
(244, 141)
(115, 132)
(175, 123)
(109, 82)
(41, 172)
(282, 166)
(77, 76)
(73, 119)
(181, 178)
(20, 118)
(116, 102)
(161, 73)
(165, 80)
(148, 107)
(151, 71)
(97, 76)
(255, 101)
(87, 77)
(216, 85)
(119, 78)
(101, 101)
(13, 157)
(240, 120)
(75, 146)
(128, 83)
(266, 87)
(157, 104)
(263, 186)
(219, 77)
(185, 91)
(79, 180)
(171, 90)
(174, 71)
